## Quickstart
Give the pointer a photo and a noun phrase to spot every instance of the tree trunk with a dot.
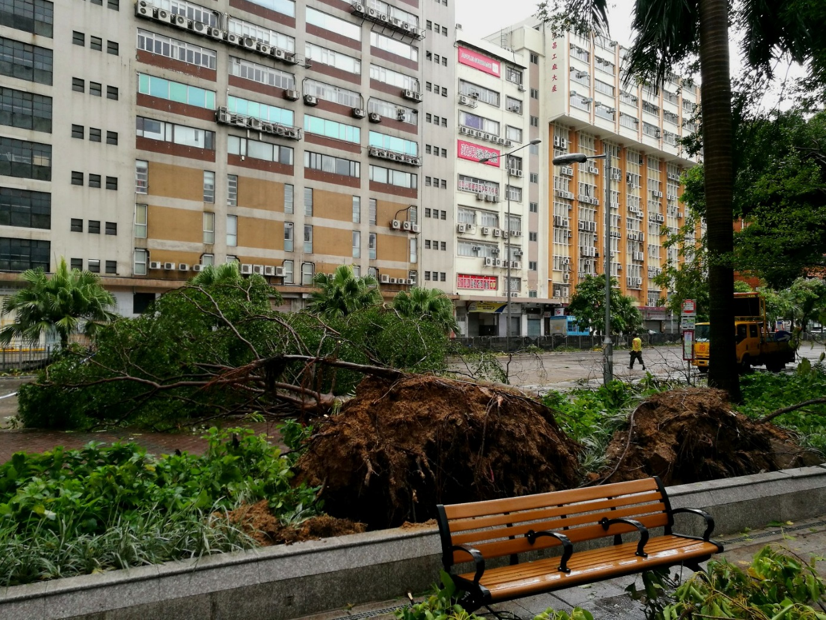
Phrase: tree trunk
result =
(716, 108)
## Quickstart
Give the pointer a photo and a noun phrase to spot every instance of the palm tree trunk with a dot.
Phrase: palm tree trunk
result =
(716, 107)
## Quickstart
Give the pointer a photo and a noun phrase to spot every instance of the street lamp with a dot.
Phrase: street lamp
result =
(582, 158)
(508, 224)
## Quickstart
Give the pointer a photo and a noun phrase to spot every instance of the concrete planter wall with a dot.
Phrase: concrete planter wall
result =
(285, 582)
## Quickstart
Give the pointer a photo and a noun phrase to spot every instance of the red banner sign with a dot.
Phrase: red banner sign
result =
(478, 61)
(474, 152)
(479, 283)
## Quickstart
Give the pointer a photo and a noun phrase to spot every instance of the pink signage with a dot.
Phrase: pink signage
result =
(480, 283)
(474, 152)
(478, 61)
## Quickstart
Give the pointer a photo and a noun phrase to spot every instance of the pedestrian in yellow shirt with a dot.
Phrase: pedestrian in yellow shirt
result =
(635, 354)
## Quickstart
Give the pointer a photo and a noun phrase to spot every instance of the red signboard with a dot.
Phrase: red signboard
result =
(479, 283)
(474, 152)
(478, 61)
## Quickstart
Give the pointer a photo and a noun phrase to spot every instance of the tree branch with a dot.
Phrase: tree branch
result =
(790, 408)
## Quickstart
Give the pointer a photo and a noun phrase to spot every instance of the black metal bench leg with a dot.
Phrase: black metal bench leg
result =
(695, 566)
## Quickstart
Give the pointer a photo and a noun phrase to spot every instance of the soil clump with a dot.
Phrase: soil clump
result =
(401, 447)
(693, 434)
(257, 521)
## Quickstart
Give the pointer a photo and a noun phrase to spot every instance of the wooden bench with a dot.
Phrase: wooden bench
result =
(481, 531)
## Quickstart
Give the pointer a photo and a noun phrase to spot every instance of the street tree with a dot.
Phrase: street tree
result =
(67, 302)
(682, 35)
(801, 303)
(343, 293)
(426, 304)
(587, 307)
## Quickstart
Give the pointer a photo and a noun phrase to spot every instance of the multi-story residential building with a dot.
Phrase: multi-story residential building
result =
(145, 141)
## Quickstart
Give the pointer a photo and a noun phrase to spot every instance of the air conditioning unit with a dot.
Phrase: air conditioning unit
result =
(384, 278)
(142, 10)
(517, 265)
(460, 228)
(488, 262)
(515, 233)
(464, 100)
(414, 228)
(470, 228)
(508, 143)
(514, 109)
(231, 38)
(593, 170)
(169, 266)
(412, 95)
(505, 234)
(464, 130)
(396, 225)
(258, 269)
(480, 196)
(269, 270)
(406, 225)
(393, 280)
(311, 100)
(246, 268)
(566, 277)
(498, 263)
(373, 117)
(155, 265)
(557, 293)
(486, 230)
(279, 53)
(215, 33)
(263, 48)
(222, 115)
(183, 267)
(498, 233)
(292, 95)
(515, 172)
(178, 20)
(358, 7)
(198, 267)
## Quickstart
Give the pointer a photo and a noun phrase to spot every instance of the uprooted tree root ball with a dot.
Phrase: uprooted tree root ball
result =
(401, 447)
(690, 435)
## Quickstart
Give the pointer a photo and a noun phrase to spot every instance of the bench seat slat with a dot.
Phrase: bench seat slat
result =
(506, 547)
(520, 529)
(600, 502)
(540, 576)
(536, 501)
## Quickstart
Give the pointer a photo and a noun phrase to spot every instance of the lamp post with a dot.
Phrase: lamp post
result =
(608, 355)
(508, 224)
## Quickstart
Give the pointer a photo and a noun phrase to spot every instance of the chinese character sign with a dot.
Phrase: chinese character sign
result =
(478, 61)
(478, 283)
(474, 152)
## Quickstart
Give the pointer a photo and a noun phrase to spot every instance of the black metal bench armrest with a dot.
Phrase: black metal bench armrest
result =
(644, 532)
(568, 549)
(710, 522)
(479, 561)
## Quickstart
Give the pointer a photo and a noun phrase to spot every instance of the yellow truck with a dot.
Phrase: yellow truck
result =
(755, 345)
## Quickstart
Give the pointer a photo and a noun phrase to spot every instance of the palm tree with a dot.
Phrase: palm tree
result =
(426, 304)
(343, 293)
(58, 306)
(224, 274)
(669, 32)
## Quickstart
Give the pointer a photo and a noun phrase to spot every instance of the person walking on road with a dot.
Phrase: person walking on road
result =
(636, 352)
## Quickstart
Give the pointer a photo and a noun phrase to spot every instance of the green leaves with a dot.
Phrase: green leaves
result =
(587, 306)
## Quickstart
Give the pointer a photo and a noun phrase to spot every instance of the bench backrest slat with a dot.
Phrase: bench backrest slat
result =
(498, 527)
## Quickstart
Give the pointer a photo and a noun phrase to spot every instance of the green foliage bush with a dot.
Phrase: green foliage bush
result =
(73, 511)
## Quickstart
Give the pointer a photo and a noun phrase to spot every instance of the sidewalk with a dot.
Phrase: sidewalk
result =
(609, 600)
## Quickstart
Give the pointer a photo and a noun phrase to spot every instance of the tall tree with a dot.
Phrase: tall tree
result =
(669, 33)
(587, 307)
(66, 303)
(428, 305)
(343, 293)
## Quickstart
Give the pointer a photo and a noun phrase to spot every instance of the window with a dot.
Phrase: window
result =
(534, 93)
(392, 143)
(393, 177)
(513, 75)
(308, 201)
(112, 138)
(25, 110)
(208, 227)
(76, 225)
(209, 186)
(94, 181)
(342, 96)
(175, 91)
(178, 134)
(308, 238)
(330, 164)
(477, 122)
(534, 178)
(333, 24)
(111, 267)
(533, 207)
(77, 178)
(394, 78)
(371, 246)
(78, 85)
(268, 76)
(140, 221)
(357, 244)
(96, 44)
(602, 87)
(333, 59)
(25, 62)
(245, 29)
(111, 228)
(232, 231)
(141, 176)
(20, 158)
(25, 208)
(94, 134)
(260, 150)
(139, 260)
(95, 89)
(288, 237)
(78, 38)
(113, 48)
(288, 198)
(535, 121)
(332, 129)
(514, 134)
(111, 183)
(232, 190)
(412, 250)
(113, 4)
(288, 272)
(534, 58)
(392, 110)
(94, 266)
(78, 131)
(514, 105)
(356, 206)
(394, 46)
(94, 227)
(478, 186)
(23, 254)
(372, 211)
(76, 264)
(307, 273)
(177, 50)
(532, 237)
(271, 114)
(36, 17)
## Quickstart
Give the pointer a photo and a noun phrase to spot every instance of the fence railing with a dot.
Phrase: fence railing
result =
(559, 341)
(26, 358)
